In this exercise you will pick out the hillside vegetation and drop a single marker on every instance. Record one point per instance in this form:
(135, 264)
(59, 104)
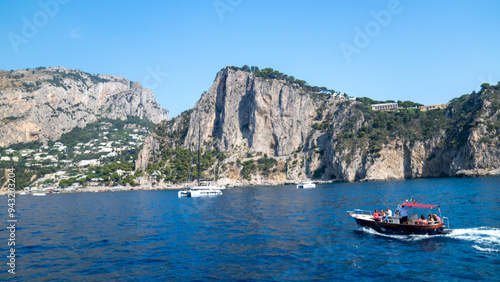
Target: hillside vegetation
(344, 139)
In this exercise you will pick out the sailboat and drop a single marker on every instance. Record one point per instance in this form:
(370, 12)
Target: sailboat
(203, 189)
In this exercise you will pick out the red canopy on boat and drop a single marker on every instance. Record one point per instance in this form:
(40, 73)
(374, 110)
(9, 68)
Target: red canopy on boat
(415, 205)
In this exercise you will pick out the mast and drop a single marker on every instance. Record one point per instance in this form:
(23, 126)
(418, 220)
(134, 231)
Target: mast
(304, 161)
(199, 142)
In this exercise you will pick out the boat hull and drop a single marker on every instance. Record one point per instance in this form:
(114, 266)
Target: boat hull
(306, 186)
(199, 193)
(205, 193)
(401, 229)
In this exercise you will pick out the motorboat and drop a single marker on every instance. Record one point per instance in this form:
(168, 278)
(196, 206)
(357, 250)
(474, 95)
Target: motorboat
(39, 194)
(202, 190)
(407, 224)
(306, 185)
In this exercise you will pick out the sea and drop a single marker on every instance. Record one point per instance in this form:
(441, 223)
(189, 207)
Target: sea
(277, 233)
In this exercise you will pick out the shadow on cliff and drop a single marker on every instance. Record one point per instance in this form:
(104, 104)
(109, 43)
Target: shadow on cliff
(246, 112)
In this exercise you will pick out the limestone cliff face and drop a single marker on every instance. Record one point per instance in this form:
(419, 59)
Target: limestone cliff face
(45, 103)
(241, 112)
(328, 137)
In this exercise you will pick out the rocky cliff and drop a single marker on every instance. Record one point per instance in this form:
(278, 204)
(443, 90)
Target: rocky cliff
(43, 104)
(268, 127)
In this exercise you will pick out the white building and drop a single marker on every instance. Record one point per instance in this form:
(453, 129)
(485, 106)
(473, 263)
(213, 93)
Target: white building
(93, 162)
(385, 107)
(106, 149)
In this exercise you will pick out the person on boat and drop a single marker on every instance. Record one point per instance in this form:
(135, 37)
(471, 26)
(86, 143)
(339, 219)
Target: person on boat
(421, 221)
(376, 216)
(431, 219)
(404, 215)
(382, 215)
(436, 218)
(388, 212)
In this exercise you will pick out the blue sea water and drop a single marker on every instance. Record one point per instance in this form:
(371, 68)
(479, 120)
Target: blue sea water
(258, 233)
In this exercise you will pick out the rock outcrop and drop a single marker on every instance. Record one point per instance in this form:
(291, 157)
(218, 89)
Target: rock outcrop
(315, 134)
(243, 113)
(43, 104)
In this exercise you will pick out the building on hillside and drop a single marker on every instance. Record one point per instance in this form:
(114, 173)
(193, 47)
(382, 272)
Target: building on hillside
(121, 172)
(385, 107)
(92, 162)
(433, 107)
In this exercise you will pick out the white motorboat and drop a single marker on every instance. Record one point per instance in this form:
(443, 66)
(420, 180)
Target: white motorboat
(306, 185)
(203, 190)
(39, 194)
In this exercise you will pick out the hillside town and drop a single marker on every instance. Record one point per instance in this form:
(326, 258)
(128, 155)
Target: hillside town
(103, 162)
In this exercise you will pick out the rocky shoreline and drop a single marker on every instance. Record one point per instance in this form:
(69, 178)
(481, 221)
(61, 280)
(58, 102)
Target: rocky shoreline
(244, 183)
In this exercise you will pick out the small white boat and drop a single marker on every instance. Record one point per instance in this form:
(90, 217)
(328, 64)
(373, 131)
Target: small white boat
(203, 190)
(306, 185)
(23, 193)
(39, 194)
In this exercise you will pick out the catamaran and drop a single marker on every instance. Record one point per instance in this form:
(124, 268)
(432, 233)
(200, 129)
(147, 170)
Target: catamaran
(203, 189)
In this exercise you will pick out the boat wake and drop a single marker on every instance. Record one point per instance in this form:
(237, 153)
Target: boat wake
(484, 239)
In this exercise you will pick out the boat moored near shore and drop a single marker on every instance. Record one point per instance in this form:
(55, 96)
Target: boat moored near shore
(306, 185)
(202, 190)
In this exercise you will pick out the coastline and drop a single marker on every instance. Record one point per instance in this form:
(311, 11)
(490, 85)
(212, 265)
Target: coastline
(228, 183)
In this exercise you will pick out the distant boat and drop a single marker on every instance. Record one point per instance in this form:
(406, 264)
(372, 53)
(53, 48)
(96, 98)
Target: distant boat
(205, 189)
(306, 185)
(397, 224)
(116, 188)
(39, 194)
(23, 193)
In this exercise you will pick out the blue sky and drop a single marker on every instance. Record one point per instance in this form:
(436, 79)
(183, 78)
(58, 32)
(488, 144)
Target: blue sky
(425, 51)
